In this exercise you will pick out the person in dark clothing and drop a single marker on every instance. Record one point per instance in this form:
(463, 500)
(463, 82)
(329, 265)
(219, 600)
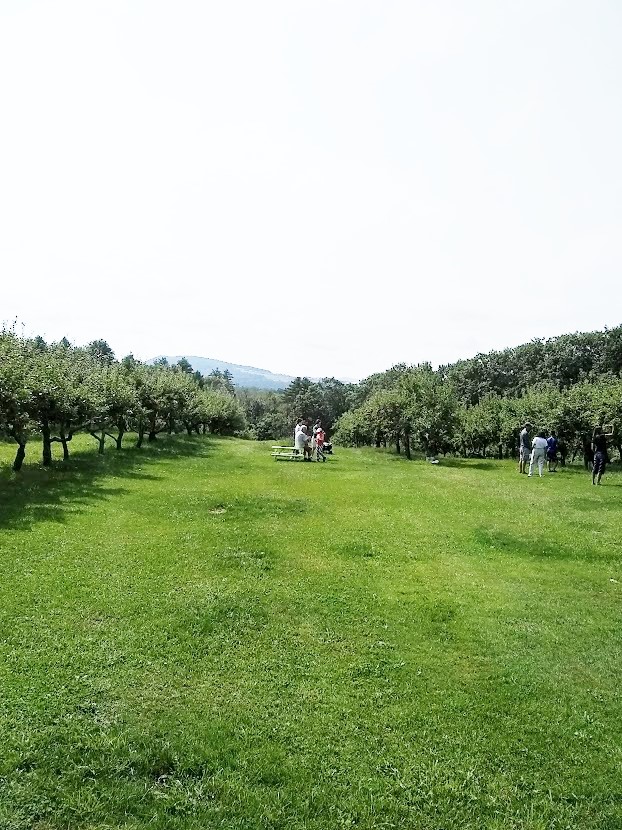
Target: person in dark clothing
(599, 445)
(551, 452)
(588, 453)
(524, 448)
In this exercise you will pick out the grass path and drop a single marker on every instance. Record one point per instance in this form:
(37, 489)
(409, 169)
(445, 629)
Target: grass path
(198, 637)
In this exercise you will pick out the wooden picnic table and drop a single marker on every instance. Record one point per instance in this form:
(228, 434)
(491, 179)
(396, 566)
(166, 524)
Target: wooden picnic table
(288, 453)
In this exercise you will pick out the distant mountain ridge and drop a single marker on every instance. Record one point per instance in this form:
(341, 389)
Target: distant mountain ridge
(248, 376)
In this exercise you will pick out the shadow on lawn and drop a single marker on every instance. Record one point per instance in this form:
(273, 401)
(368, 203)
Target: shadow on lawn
(469, 463)
(50, 493)
(537, 547)
(494, 464)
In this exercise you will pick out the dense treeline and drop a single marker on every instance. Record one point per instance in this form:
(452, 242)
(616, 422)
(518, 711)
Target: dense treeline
(404, 406)
(417, 406)
(473, 407)
(559, 361)
(568, 384)
(273, 414)
(49, 392)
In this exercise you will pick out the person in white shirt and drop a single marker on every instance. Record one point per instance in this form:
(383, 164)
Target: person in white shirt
(297, 428)
(303, 443)
(538, 453)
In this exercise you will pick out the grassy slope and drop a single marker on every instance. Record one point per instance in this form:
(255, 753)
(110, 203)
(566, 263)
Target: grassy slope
(199, 637)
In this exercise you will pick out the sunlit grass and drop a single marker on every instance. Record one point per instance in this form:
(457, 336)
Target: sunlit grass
(197, 636)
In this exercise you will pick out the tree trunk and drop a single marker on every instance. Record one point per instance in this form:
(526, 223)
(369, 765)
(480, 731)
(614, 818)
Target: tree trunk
(407, 445)
(120, 433)
(101, 440)
(19, 458)
(500, 452)
(188, 426)
(397, 445)
(121, 428)
(140, 431)
(64, 440)
(21, 451)
(153, 435)
(47, 442)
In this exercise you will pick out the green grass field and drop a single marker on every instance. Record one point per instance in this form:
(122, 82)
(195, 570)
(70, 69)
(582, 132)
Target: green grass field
(196, 636)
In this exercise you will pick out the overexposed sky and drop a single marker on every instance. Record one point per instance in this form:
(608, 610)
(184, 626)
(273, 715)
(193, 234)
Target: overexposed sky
(320, 188)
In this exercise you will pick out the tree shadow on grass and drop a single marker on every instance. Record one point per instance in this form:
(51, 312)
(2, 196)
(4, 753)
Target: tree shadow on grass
(496, 541)
(597, 506)
(53, 493)
(489, 464)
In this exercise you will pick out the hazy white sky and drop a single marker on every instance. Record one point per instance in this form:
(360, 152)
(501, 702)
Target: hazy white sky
(321, 188)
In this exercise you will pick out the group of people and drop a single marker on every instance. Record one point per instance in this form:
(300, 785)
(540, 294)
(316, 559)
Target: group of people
(541, 449)
(536, 451)
(310, 442)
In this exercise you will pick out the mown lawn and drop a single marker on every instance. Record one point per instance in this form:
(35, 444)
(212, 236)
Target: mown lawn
(195, 636)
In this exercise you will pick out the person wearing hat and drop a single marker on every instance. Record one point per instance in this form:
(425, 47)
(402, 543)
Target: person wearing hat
(524, 448)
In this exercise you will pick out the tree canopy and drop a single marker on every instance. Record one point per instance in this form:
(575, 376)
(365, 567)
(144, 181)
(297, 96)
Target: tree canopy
(49, 392)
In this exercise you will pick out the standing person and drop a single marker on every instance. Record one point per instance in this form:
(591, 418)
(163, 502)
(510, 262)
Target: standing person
(297, 428)
(599, 445)
(538, 453)
(316, 426)
(319, 445)
(524, 448)
(551, 452)
(588, 452)
(302, 443)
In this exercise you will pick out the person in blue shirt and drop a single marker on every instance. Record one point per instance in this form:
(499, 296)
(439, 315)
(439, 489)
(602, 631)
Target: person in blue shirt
(551, 452)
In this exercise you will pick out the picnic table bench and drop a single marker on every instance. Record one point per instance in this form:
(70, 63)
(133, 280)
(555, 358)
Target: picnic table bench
(290, 453)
